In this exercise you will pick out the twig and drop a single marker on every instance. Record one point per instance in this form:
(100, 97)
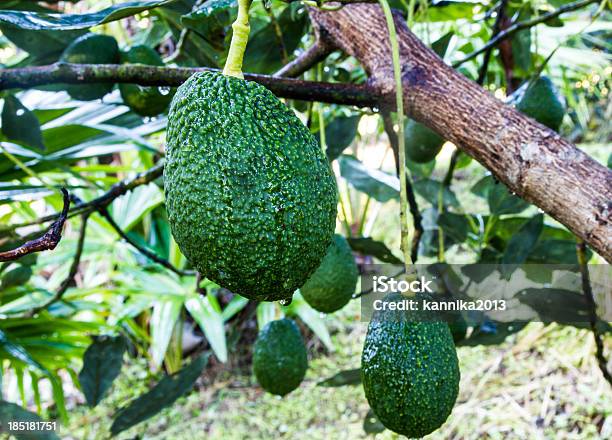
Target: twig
(104, 200)
(522, 25)
(501, 12)
(65, 73)
(147, 253)
(74, 267)
(588, 295)
(316, 53)
(47, 242)
(412, 203)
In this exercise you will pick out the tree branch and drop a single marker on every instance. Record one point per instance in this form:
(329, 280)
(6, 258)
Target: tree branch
(501, 12)
(307, 59)
(533, 161)
(47, 242)
(60, 73)
(147, 253)
(74, 267)
(104, 200)
(593, 319)
(522, 25)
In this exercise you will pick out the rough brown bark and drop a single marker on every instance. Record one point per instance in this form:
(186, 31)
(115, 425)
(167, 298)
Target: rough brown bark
(534, 162)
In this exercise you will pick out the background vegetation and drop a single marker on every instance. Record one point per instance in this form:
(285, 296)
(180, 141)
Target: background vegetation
(117, 282)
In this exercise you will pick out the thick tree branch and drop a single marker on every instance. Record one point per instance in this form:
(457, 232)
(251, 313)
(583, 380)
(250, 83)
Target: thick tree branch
(58, 73)
(47, 242)
(593, 319)
(522, 25)
(532, 161)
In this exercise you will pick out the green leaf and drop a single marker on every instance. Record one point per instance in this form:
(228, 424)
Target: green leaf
(206, 312)
(369, 246)
(44, 45)
(430, 190)
(371, 424)
(377, 184)
(130, 209)
(522, 243)
(500, 200)
(53, 21)
(311, 318)
(20, 353)
(441, 44)
(339, 134)
(346, 377)
(236, 304)
(163, 319)
(9, 412)
(16, 277)
(162, 395)
(456, 226)
(21, 125)
(102, 363)
(267, 312)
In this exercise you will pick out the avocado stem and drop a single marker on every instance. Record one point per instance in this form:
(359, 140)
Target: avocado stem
(240, 37)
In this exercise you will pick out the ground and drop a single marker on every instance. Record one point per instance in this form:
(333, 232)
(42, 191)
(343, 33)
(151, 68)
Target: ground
(543, 383)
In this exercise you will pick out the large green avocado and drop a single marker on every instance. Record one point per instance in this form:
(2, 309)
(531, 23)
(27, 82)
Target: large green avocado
(279, 357)
(145, 101)
(422, 143)
(542, 102)
(410, 372)
(333, 283)
(91, 49)
(250, 195)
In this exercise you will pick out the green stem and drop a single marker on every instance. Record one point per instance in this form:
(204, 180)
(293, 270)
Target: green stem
(240, 37)
(405, 233)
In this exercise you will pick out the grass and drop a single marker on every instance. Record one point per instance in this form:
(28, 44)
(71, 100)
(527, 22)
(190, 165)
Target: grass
(541, 383)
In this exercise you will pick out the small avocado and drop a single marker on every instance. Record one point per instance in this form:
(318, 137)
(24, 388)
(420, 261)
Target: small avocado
(542, 102)
(145, 101)
(422, 143)
(410, 372)
(251, 197)
(280, 360)
(332, 285)
(91, 49)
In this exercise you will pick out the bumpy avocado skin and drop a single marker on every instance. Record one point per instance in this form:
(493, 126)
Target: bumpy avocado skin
(250, 195)
(541, 102)
(145, 101)
(280, 360)
(422, 143)
(410, 373)
(332, 285)
(91, 49)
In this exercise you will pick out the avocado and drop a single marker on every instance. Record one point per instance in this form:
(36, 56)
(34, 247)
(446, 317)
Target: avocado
(251, 197)
(410, 372)
(542, 102)
(145, 101)
(333, 283)
(279, 357)
(422, 143)
(91, 49)
(16, 277)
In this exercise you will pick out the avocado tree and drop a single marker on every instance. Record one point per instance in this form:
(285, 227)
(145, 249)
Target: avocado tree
(225, 198)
